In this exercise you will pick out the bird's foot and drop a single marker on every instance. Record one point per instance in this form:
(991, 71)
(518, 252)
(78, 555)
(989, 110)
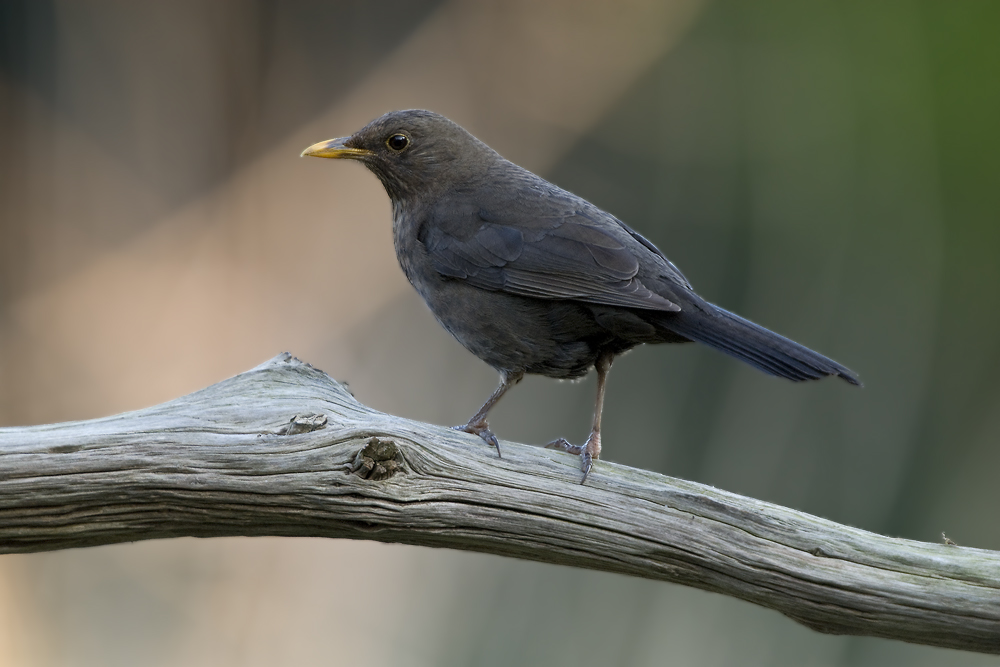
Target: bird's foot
(587, 452)
(481, 429)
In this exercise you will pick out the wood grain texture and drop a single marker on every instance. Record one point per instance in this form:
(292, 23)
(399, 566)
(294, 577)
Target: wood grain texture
(285, 450)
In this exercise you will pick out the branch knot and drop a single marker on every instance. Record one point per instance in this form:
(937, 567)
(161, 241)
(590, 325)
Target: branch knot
(380, 459)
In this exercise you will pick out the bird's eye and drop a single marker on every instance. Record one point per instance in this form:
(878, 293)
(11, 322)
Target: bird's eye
(397, 142)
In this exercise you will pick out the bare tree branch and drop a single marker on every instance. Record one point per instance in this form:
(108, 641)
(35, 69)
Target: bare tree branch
(285, 450)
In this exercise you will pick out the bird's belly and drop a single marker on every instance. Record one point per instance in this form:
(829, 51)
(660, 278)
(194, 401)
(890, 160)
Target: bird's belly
(511, 333)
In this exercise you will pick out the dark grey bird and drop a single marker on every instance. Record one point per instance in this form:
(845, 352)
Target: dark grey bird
(533, 279)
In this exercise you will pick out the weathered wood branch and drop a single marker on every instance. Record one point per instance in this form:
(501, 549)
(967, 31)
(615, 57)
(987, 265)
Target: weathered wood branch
(285, 450)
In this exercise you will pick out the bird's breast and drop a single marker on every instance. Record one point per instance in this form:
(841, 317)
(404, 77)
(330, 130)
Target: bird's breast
(410, 252)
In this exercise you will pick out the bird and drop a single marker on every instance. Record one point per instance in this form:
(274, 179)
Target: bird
(533, 279)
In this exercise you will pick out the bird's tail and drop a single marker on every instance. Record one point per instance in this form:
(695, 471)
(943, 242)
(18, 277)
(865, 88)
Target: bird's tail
(763, 349)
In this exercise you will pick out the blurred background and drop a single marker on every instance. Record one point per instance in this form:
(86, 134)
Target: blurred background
(828, 169)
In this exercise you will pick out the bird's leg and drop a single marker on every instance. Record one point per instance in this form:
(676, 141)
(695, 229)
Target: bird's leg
(591, 449)
(477, 425)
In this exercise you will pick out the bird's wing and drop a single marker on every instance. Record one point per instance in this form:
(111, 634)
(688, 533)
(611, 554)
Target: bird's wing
(579, 254)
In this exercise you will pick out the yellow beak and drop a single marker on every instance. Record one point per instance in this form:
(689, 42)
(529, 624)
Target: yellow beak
(335, 148)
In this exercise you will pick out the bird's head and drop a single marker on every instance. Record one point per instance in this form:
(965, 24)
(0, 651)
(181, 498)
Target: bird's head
(413, 152)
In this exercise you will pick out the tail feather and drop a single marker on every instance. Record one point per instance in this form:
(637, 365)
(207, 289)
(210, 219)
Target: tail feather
(753, 344)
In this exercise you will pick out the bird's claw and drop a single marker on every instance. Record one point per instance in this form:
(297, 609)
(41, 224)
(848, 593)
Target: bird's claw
(586, 463)
(583, 451)
(483, 431)
(564, 445)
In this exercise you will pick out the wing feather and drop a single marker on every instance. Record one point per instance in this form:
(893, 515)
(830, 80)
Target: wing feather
(569, 255)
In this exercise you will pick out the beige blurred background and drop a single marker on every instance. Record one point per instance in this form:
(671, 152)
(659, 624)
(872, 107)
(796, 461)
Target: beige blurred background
(828, 169)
